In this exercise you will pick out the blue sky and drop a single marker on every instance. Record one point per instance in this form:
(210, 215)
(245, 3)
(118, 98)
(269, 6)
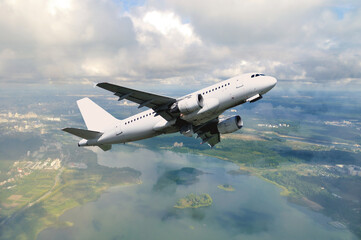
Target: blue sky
(128, 5)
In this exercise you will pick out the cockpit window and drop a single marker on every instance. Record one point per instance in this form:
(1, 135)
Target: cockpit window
(257, 75)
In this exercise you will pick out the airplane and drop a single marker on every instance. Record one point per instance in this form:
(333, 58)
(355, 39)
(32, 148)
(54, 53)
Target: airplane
(196, 113)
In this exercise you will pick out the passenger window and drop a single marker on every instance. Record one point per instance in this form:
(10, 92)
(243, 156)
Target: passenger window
(252, 76)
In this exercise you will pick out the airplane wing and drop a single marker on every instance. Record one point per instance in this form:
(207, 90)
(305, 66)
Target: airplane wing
(160, 104)
(208, 132)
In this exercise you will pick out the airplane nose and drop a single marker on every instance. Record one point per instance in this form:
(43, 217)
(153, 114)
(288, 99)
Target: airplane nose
(268, 83)
(272, 82)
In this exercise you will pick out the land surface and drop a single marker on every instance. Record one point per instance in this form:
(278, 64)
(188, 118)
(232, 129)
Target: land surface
(316, 161)
(38, 199)
(226, 187)
(194, 201)
(324, 178)
(42, 175)
(307, 146)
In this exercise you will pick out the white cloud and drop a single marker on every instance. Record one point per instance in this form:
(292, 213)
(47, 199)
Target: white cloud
(179, 42)
(56, 6)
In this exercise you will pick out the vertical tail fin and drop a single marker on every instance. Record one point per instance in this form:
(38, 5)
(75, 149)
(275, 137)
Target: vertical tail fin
(95, 117)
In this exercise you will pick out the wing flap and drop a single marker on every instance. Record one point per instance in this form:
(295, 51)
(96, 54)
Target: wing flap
(211, 138)
(105, 147)
(208, 132)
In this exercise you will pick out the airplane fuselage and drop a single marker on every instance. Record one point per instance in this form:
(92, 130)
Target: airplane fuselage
(215, 99)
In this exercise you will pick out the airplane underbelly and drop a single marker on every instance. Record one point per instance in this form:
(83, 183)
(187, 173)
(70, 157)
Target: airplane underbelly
(206, 118)
(138, 133)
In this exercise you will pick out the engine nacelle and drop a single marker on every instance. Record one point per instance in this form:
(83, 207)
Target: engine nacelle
(188, 105)
(230, 125)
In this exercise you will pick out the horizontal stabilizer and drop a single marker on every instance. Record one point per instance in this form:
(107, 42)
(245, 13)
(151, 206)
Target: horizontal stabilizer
(105, 147)
(87, 134)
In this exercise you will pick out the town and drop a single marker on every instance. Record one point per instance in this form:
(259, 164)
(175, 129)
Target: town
(21, 169)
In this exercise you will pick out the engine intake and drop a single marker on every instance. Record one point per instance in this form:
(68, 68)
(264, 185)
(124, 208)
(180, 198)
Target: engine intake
(230, 125)
(188, 105)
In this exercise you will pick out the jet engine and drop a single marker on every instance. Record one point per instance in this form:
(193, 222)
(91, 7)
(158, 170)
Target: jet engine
(230, 125)
(188, 105)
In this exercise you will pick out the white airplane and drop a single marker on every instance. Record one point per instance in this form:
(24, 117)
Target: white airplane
(196, 113)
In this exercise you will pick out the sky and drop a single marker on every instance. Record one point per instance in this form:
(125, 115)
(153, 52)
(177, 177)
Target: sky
(181, 43)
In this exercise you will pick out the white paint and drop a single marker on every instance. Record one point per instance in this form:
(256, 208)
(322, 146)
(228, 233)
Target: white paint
(217, 98)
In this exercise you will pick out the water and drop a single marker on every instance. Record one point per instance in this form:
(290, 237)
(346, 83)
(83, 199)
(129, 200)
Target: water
(254, 211)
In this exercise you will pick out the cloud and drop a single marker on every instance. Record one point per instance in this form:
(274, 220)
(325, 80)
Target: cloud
(246, 22)
(305, 40)
(179, 42)
(63, 40)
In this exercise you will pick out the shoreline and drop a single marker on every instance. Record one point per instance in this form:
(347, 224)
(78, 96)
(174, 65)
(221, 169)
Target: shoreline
(70, 224)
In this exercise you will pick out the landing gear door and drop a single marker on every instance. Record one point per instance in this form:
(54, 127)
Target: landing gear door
(118, 129)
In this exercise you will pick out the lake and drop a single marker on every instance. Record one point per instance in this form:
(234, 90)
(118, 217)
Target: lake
(255, 210)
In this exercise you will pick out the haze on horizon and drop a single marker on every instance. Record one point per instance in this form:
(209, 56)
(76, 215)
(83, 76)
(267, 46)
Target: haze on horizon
(182, 43)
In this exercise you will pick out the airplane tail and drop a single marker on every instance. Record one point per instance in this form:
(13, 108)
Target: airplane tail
(95, 117)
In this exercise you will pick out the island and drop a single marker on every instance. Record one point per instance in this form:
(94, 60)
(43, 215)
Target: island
(226, 187)
(194, 201)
